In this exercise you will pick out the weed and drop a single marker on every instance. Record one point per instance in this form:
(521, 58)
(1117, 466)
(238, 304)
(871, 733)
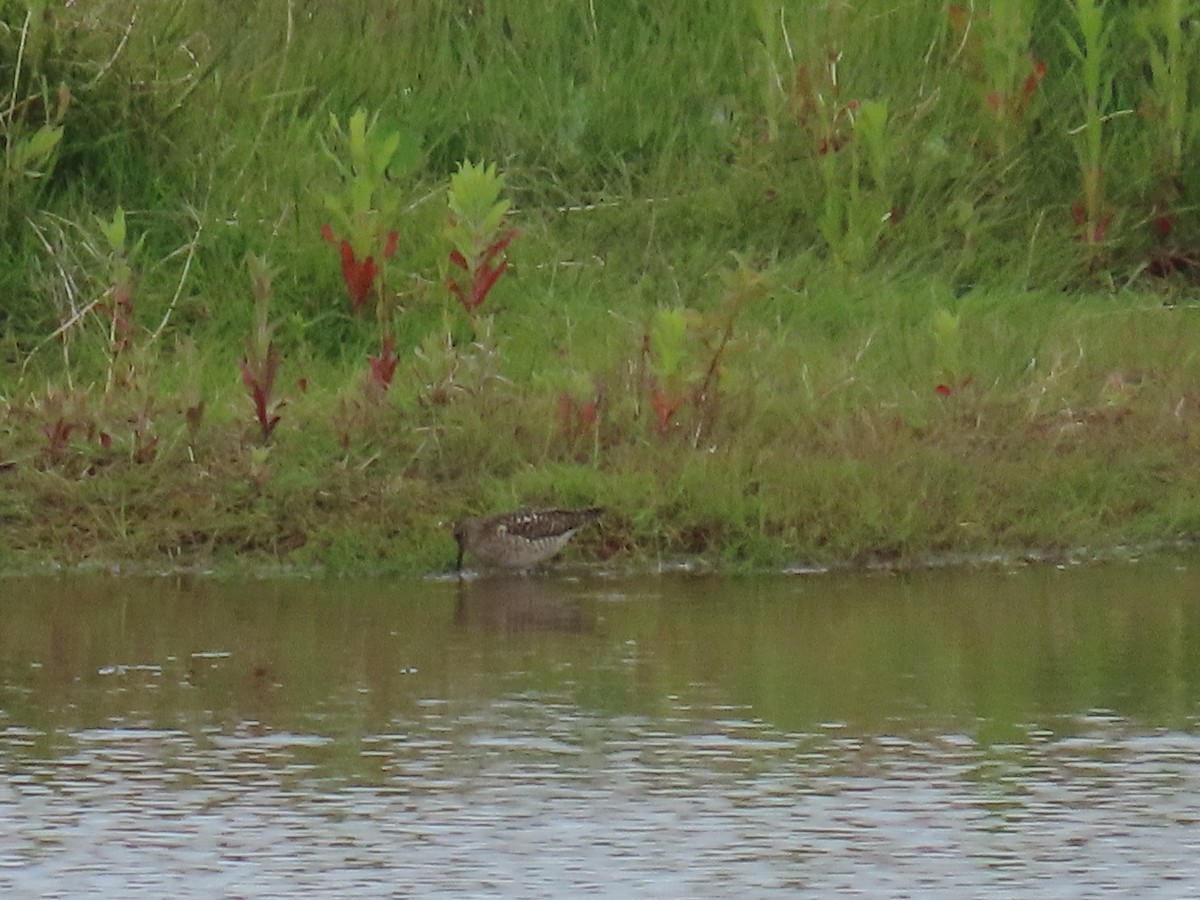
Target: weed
(579, 422)
(992, 50)
(476, 233)
(1092, 52)
(947, 353)
(118, 301)
(1172, 48)
(96, 281)
(445, 371)
(382, 367)
(30, 146)
(260, 364)
(366, 153)
(686, 351)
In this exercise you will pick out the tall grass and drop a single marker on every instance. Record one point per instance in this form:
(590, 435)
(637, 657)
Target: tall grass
(931, 194)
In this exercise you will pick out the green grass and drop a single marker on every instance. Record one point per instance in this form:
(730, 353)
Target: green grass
(648, 156)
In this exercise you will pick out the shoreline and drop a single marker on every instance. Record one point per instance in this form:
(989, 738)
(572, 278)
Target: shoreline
(574, 570)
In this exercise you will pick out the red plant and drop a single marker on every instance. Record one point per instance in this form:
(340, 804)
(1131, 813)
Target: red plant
(1013, 106)
(258, 375)
(359, 274)
(577, 419)
(57, 433)
(666, 405)
(383, 366)
(1034, 80)
(121, 312)
(945, 390)
(483, 273)
(1093, 234)
(828, 120)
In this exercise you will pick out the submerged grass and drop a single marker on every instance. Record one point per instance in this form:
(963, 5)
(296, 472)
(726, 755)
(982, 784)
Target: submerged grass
(822, 282)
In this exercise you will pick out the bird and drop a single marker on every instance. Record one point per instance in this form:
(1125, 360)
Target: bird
(521, 539)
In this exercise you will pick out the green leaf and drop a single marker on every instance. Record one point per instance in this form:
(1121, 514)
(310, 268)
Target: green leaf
(36, 149)
(114, 231)
(1072, 44)
(668, 337)
(358, 135)
(474, 197)
(382, 152)
(945, 326)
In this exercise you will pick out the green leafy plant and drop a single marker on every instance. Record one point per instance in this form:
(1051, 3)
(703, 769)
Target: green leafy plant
(31, 120)
(260, 363)
(366, 153)
(666, 343)
(96, 280)
(579, 416)
(991, 49)
(858, 204)
(369, 154)
(445, 370)
(845, 143)
(1092, 51)
(118, 301)
(947, 345)
(686, 351)
(1173, 48)
(476, 232)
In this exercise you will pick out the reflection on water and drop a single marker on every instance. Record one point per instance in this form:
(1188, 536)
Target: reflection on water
(514, 603)
(948, 734)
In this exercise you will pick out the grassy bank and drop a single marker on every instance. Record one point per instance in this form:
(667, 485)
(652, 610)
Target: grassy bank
(811, 284)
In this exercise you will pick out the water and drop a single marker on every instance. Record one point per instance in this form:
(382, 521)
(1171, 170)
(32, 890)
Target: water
(994, 734)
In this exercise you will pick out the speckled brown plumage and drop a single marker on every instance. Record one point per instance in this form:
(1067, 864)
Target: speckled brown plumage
(521, 539)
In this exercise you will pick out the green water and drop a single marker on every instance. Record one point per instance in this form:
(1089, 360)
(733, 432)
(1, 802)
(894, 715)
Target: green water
(999, 732)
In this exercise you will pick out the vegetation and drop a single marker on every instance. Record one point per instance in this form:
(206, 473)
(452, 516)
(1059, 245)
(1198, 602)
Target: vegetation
(797, 282)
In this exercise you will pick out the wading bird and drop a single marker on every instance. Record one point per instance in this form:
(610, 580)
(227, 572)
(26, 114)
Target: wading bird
(521, 539)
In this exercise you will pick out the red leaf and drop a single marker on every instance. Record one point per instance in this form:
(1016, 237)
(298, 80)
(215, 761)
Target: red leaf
(383, 366)
(258, 375)
(483, 273)
(566, 412)
(502, 243)
(576, 419)
(456, 289)
(359, 276)
(665, 407)
(1093, 233)
(484, 280)
(327, 233)
(393, 239)
(1035, 78)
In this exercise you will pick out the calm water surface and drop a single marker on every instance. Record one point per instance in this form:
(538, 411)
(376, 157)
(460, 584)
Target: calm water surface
(995, 734)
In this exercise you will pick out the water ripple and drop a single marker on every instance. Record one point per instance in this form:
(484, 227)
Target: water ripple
(530, 797)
